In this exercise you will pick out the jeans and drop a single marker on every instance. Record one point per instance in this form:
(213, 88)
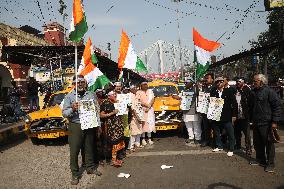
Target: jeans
(263, 144)
(206, 129)
(218, 126)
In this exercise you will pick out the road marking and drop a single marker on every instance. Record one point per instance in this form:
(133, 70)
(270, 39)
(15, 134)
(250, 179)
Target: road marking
(185, 152)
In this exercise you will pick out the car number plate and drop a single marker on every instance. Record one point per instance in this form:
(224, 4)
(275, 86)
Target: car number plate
(166, 127)
(48, 135)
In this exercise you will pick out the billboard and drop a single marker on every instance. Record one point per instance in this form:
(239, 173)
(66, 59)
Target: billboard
(273, 4)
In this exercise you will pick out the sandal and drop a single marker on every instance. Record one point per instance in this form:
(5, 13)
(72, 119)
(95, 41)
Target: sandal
(116, 163)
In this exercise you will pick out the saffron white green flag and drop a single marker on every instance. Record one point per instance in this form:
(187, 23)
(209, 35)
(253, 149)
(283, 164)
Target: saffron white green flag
(202, 52)
(94, 77)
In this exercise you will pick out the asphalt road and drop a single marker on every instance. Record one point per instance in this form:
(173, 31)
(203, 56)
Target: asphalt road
(24, 165)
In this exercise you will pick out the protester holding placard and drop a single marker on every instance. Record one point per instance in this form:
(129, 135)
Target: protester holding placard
(228, 115)
(192, 118)
(114, 125)
(146, 97)
(80, 138)
(206, 123)
(137, 119)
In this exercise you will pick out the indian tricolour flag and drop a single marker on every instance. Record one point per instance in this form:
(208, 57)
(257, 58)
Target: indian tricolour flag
(78, 25)
(94, 77)
(202, 52)
(128, 57)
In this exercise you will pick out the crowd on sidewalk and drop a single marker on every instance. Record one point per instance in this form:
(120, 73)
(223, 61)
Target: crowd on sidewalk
(257, 107)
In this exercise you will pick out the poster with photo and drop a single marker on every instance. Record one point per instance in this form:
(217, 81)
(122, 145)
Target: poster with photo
(203, 102)
(186, 100)
(123, 100)
(215, 108)
(89, 117)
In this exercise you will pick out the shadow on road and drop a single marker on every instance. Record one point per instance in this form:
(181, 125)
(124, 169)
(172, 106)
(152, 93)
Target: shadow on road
(221, 184)
(12, 142)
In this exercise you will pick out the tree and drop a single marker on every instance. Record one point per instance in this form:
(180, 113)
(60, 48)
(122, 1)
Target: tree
(275, 65)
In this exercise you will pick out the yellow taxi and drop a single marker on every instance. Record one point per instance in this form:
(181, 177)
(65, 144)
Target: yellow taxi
(167, 108)
(49, 122)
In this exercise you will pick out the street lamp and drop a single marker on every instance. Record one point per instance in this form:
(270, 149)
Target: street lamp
(179, 40)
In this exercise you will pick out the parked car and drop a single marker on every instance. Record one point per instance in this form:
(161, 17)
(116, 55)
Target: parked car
(49, 122)
(167, 109)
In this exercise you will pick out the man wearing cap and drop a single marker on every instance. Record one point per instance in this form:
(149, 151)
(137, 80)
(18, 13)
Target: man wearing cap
(228, 115)
(80, 139)
(243, 97)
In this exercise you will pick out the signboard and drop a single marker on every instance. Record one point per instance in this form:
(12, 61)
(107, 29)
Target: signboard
(273, 4)
(215, 108)
(186, 99)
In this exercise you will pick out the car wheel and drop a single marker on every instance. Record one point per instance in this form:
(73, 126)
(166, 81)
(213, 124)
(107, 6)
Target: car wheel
(35, 141)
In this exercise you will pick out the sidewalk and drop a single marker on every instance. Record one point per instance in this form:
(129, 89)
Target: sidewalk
(10, 131)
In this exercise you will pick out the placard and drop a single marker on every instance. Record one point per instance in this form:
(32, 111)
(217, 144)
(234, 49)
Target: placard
(89, 116)
(123, 100)
(203, 102)
(215, 108)
(186, 99)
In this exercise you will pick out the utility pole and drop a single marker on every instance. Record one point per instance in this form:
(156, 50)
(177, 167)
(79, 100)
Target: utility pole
(109, 50)
(179, 40)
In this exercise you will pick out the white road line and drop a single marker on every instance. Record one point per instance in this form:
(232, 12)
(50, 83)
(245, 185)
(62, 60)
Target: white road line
(185, 152)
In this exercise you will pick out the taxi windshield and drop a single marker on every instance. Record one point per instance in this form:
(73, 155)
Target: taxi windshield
(164, 90)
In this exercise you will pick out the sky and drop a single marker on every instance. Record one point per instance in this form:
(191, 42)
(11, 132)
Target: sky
(147, 21)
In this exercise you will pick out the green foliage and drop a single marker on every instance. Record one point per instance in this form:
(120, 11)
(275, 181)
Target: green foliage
(275, 67)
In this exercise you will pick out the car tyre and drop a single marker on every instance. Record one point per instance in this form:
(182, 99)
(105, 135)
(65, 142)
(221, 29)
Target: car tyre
(35, 141)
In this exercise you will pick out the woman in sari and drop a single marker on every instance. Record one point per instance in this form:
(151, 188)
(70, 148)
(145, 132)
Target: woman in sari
(114, 126)
(146, 97)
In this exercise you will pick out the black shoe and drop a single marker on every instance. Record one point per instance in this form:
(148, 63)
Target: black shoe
(253, 162)
(94, 171)
(189, 141)
(75, 180)
(197, 142)
(269, 169)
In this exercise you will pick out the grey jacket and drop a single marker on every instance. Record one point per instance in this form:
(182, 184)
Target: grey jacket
(71, 98)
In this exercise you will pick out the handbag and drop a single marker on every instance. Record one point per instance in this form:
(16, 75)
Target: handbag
(275, 136)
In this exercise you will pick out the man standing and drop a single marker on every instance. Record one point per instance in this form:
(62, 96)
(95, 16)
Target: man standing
(266, 113)
(243, 97)
(206, 124)
(80, 139)
(191, 118)
(33, 88)
(228, 115)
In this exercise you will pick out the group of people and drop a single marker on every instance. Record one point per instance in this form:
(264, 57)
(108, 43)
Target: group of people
(257, 107)
(117, 133)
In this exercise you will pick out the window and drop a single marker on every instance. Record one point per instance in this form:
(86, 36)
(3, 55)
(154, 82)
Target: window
(164, 90)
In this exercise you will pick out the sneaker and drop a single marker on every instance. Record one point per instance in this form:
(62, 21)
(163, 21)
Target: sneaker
(144, 143)
(94, 171)
(150, 142)
(217, 149)
(269, 169)
(230, 154)
(75, 180)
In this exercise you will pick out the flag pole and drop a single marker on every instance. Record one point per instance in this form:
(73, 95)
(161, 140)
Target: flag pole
(76, 76)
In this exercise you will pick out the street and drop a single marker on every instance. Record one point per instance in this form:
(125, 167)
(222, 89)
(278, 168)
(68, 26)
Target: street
(24, 165)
